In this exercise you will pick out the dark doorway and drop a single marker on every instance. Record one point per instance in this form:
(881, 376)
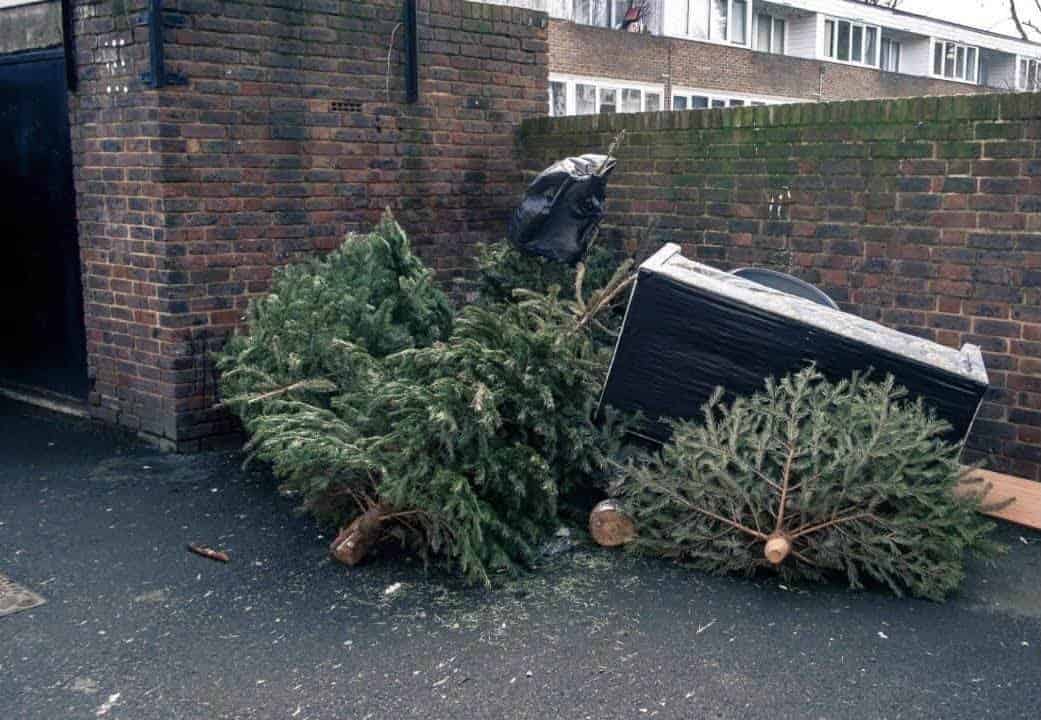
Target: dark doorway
(41, 295)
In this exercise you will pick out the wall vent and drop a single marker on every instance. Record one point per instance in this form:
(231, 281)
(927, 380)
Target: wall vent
(345, 106)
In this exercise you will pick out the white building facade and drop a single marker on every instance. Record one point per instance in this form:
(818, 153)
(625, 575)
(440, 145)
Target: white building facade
(844, 32)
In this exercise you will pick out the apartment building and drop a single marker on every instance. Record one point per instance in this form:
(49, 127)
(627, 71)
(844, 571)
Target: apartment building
(643, 55)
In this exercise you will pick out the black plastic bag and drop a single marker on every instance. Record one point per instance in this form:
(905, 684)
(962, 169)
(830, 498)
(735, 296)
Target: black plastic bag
(561, 209)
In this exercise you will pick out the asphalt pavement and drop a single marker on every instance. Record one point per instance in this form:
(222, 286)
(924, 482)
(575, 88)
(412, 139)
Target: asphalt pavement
(138, 628)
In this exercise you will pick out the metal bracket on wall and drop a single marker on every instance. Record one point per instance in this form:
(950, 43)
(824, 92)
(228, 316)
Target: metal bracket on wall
(156, 20)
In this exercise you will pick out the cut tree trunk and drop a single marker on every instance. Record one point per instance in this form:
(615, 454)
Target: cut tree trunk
(778, 547)
(610, 526)
(353, 542)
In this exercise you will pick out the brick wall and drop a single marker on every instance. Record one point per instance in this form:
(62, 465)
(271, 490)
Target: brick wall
(288, 133)
(922, 214)
(115, 131)
(600, 52)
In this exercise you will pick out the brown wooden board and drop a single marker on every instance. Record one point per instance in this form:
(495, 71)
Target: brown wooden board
(1026, 507)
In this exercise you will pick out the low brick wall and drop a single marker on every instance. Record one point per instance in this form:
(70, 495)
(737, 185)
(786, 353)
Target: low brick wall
(292, 130)
(923, 214)
(601, 52)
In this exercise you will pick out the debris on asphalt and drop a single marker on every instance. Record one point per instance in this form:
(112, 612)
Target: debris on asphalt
(561, 543)
(391, 589)
(107, 705)
(208, 552)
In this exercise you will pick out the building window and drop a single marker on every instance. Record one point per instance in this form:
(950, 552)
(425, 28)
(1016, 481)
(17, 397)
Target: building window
(1029, 76)
(696, 17)
(557, 98)
(890, 60)
(632, 100)
(585, 99)
(739, 24)
(593, 12)
(619, 8)
(720, 12)
(955, 62)
(589, 97)
(694, 100)
(770, 32)
(720, 20)
(850, 42)
(602, 13)
(560, 9)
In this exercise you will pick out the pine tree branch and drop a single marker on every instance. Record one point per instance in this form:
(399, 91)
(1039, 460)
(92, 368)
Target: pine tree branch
(731, 523)
(801, 556)
(785, 478)
(836, 521)
(310, 383)
(580, 277)
(603, 302)
(684, 501)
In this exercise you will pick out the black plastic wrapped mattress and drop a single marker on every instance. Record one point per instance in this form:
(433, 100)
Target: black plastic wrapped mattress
(690, 328)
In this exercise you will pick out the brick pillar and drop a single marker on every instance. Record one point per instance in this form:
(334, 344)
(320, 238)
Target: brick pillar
(289, 133)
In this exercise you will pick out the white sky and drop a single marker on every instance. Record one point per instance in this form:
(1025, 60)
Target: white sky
(984, 14)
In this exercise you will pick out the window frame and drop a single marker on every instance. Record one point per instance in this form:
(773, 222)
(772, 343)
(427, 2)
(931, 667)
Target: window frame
(829, 51)
(941, 45)
(566, 93)
(772, 34)
(1023, 64)
(882, 55)
(717, 99)
(697, 7)
(600, 85)
(609, 14)
(614, 21)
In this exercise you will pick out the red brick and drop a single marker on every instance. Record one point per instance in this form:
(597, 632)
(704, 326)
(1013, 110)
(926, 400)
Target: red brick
(189, 196)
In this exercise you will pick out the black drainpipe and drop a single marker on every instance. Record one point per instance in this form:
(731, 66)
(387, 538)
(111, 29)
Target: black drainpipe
(68, 45)
(411, 52)
(157, 76)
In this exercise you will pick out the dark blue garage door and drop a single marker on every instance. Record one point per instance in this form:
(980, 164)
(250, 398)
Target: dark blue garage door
(42, 342)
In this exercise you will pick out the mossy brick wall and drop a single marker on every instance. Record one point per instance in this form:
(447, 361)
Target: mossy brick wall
(923, 214)
(289, 133)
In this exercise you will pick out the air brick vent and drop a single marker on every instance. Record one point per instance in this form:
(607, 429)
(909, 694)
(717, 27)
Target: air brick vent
(351, 106)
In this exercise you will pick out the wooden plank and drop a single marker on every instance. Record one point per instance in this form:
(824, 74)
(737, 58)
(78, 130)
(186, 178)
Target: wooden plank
(1025, 510)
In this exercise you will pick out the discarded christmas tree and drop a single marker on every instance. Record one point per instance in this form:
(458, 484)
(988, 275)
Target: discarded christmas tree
(811, 478)
(372, 294)
(487, 430)
(318, 336)
(458, 444)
